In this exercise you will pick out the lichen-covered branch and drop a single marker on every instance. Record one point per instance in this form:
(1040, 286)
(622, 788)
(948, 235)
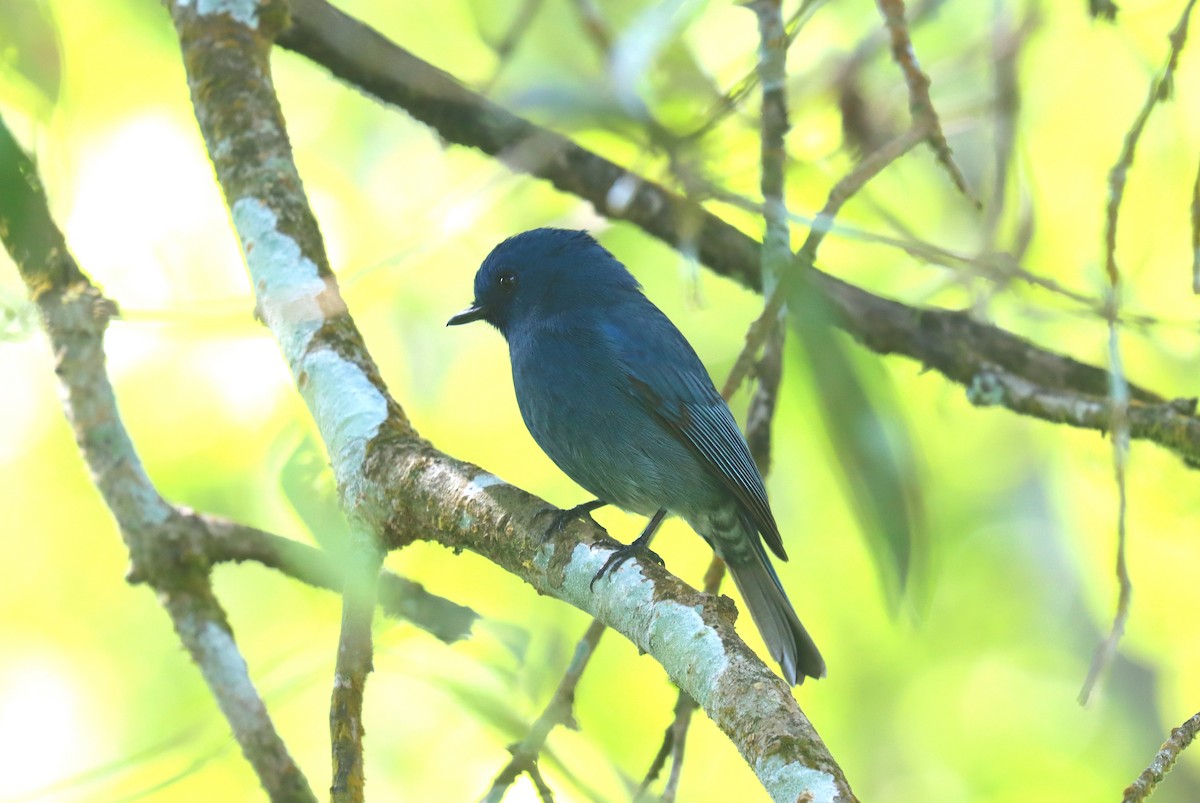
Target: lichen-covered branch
(675, 737)
(689, 633)
(1164, 759)
(965, 350)
(354, 662)
(166, 545)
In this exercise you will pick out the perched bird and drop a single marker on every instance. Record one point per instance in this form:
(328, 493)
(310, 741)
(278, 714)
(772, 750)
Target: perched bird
(618, 399)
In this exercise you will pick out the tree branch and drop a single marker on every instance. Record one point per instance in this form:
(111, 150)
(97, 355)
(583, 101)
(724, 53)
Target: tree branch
(1180, 738)
(166, 546)
(399, 597)
(675, 736)
(1044, 384)
(354, 663)
(690, 633)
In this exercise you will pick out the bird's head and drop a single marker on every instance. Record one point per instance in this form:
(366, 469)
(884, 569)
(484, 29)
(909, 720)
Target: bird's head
(543, 273)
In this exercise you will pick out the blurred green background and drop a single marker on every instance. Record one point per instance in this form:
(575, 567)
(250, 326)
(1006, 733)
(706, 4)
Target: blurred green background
(968, 693)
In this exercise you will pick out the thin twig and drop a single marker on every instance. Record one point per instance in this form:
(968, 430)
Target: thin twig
(864, 129)
(741, 90)
(1196, 233)
(1160, 90)
(777, 249)
(1119, 417)
(1007, 41)
(559, 711)
(539, 783)
(354, 663)
(867, 168)
(999, 267)
(920, 104)
(761, 413)
(1180, 738)
(776, 256)
(512, 37)
(674, 740)
(594, 25)
(165, 544)
(1119, 426)
(772, 70)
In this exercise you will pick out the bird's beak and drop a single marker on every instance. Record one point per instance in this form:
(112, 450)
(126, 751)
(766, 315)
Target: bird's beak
(472, 313)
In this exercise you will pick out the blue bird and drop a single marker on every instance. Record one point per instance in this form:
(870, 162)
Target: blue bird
(618, 399)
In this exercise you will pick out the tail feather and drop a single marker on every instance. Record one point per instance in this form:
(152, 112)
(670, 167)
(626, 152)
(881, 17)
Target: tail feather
(771, 611)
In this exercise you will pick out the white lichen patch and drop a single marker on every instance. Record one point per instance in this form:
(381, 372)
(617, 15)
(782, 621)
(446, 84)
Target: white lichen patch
(621, 193)
(287, 283)
(481, 482)
(347, 406)
(675, 634)
(244, 11)
(225, 669)
(348, 409)
(786, 781)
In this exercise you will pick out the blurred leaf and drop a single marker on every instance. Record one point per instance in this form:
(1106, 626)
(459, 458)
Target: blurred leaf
(638, 49)
(514, 638)
(308, 485)
(29, 48)
(874, 452)
(18, 317)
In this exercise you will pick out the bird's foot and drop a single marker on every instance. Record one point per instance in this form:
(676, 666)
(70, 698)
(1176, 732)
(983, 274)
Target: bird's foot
(561, 518)
(622, 554)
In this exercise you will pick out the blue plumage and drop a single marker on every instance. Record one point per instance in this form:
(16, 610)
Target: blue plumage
(618, 399)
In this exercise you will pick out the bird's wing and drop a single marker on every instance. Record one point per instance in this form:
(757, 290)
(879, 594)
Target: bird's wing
(665, 374)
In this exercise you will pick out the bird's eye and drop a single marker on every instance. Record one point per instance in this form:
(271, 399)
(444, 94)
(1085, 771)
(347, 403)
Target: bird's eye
(507, 281)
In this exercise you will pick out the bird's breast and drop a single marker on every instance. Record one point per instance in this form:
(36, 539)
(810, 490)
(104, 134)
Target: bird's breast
(577, 403)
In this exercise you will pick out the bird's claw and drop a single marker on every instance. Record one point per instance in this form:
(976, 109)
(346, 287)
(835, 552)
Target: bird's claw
(622, 554)
(561, 518)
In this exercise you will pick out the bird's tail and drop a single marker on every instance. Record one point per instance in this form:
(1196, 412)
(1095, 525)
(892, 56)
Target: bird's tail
(786, 638)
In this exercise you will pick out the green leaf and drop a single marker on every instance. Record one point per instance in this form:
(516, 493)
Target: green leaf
(30, 59)
(874, 452)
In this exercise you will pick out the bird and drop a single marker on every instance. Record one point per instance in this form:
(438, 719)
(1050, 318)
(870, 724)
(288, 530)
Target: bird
(615, 395)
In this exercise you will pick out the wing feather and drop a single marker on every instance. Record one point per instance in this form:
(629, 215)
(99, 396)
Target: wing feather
(668, 378)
